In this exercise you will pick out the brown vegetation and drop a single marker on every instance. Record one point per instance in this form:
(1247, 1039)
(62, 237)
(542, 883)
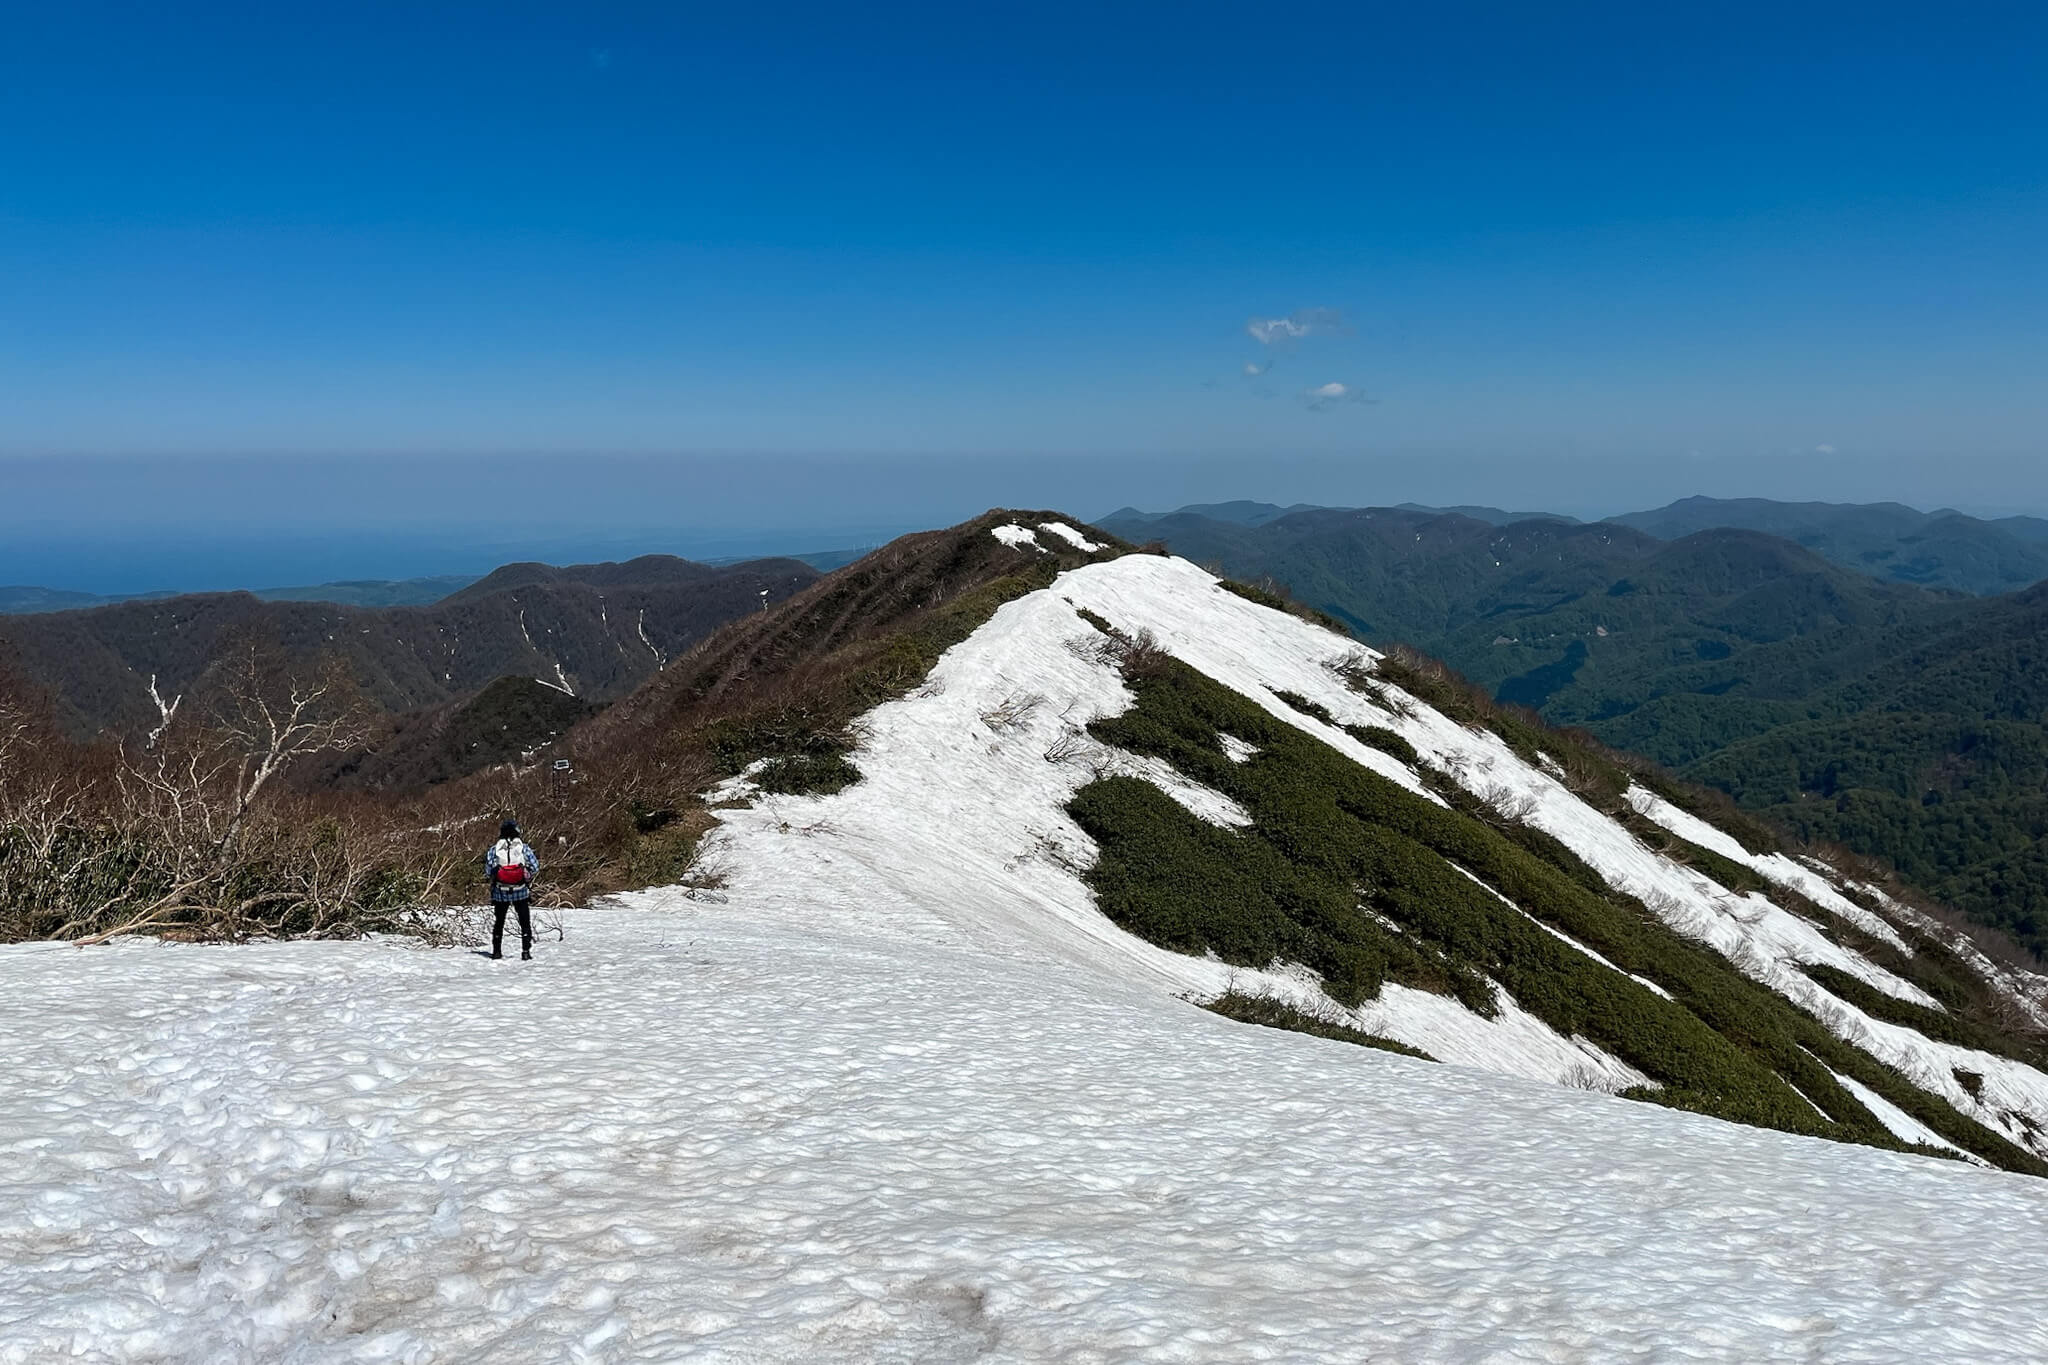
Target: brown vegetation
(197, 830)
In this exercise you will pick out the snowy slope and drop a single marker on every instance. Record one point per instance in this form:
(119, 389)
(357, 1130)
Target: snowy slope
(720, 1137)
(959, 834)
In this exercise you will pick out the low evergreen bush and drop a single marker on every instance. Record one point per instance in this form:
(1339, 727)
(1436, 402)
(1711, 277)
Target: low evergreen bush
(1270, 1011)
(1359, 879)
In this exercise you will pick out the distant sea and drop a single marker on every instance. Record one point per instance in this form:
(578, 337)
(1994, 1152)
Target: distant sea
(169, 560)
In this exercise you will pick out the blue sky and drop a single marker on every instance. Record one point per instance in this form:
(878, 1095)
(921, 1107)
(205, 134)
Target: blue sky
(915, 257)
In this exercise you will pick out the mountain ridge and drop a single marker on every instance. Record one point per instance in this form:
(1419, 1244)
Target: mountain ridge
(1120, 768)
(595, 639)
(1887, 541)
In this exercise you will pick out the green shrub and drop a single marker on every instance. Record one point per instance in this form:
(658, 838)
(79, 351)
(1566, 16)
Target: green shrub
(1302, 704)
(816, 774)
(1386, 741)
(1270, 1011)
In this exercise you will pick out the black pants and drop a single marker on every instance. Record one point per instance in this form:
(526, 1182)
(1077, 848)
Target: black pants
(525, 927)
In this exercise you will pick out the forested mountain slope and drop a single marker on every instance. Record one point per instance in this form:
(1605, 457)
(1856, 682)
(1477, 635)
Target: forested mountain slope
(1894, 542)
(1582, 621)
(593, 631)
(1937, 756)
(1886, 541)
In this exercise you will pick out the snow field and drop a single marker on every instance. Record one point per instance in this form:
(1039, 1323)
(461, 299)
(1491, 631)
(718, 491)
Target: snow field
(1070, 535)
(709, 1136)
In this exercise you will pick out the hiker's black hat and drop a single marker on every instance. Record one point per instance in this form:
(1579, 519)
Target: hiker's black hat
(509, 830)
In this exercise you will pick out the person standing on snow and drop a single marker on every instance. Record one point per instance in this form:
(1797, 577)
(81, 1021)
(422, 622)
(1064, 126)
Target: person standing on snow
(510, 868)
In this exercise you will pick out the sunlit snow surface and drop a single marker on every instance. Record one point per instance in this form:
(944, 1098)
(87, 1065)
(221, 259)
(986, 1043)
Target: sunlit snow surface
(1016, 537)
(1069, 535)
(706, 1137)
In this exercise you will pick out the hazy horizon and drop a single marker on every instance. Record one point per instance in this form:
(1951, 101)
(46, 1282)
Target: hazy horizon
(101, 526)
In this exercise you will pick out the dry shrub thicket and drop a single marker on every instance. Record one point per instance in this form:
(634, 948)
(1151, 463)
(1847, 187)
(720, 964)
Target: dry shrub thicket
(198, 829)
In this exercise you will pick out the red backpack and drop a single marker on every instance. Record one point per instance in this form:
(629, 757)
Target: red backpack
(512, 863)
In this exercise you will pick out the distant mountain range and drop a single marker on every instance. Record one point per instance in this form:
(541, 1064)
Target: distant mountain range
(1901, 720)
(585, 634)
(1935, 549)
(1244, 513)
(1940, 549)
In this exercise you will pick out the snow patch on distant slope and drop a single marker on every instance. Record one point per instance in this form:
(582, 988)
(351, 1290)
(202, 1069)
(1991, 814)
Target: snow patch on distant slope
(1016, 537)
(1069, 535)
(640, 625)
(1560, 935)
(1897, 1121)
(561, 683)
(2028, 989)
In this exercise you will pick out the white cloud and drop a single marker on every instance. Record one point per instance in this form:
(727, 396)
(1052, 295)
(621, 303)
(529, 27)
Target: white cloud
(1295, 326)
(1823, 449)
(1279, 337)
(1269, 330)
(1323, 397)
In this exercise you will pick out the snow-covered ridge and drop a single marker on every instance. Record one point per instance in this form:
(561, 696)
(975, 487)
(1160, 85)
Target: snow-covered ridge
(959, 834)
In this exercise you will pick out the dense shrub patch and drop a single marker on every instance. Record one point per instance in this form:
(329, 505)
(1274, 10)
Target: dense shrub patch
(1272, 1012)
(1314, 709)
(1386, 741)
